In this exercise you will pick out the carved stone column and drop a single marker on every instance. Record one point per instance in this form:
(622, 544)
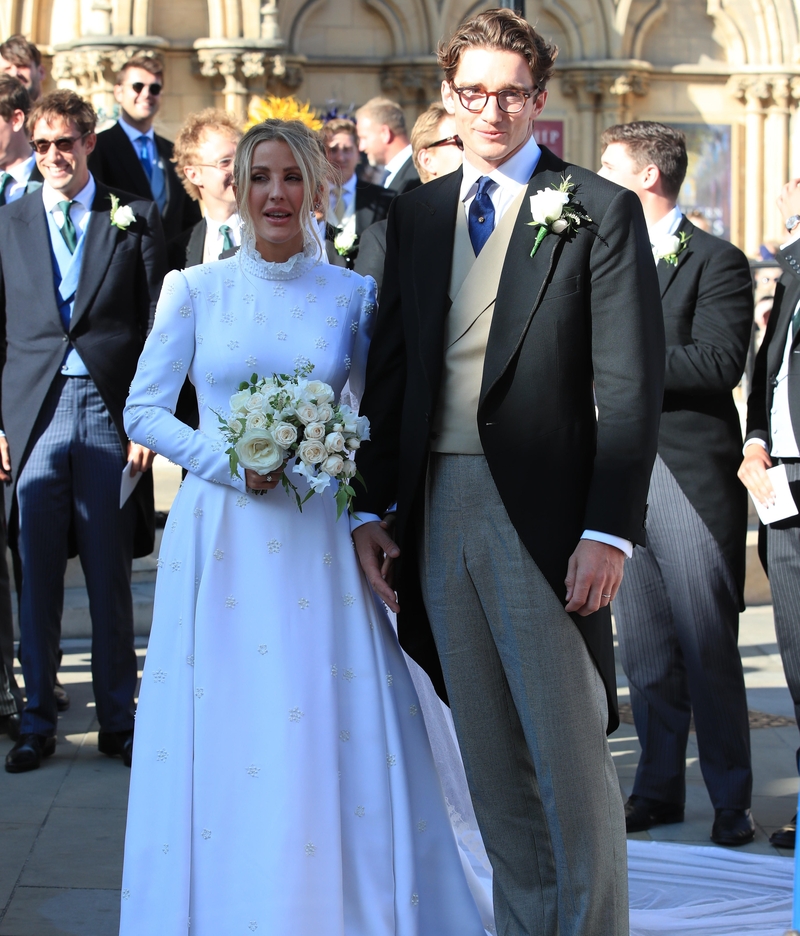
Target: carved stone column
(413, 84)
(89, 66)
(755, 92)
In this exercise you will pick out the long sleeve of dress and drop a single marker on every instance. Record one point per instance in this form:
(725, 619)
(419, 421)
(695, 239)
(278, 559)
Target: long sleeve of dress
(363, 315)
(165, 360)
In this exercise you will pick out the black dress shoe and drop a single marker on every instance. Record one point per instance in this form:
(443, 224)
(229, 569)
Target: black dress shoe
(9, 724)
(642, 813)
(785, 836)
(733, 827)
(62, 699)
(116, 744)
(28, 752)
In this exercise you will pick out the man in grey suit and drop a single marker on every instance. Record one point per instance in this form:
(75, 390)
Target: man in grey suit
(773, 439)
(80, 270)
(677, 611)
(516, 505)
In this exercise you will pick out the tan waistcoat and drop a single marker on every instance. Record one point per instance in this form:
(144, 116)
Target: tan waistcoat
(473, 290)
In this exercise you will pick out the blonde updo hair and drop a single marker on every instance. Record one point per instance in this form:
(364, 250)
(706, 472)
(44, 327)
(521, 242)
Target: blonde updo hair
(308, 150)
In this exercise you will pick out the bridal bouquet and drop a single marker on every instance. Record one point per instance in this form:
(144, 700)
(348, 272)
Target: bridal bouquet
(274, 419)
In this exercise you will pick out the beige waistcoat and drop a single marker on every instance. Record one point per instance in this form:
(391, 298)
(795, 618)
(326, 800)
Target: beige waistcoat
(473, 290)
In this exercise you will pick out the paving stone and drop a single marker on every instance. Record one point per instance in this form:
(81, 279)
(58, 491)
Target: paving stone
(51, 911)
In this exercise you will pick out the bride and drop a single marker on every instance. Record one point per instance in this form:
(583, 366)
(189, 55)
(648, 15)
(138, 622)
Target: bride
(282, 777)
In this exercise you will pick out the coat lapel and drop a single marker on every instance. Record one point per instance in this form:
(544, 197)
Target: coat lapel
(34, 239)
(196, 246)
(523, 280)
(666, 271)
(101, 239)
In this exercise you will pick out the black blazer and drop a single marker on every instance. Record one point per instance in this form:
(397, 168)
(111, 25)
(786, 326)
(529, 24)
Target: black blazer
(186, 249)
(372, 253)
(770, 354)
(114, 308)
(114, 162)
(708, 316)
(583, 313)
(406, 179)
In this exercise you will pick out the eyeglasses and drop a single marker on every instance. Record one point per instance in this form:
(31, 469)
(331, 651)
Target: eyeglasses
(454, 140)
(62, 144)
(139, 86)
(224, 165)
(509, 100)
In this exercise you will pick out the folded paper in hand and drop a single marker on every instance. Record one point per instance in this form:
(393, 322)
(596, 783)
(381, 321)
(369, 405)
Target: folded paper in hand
(128, 484)
(784, 505)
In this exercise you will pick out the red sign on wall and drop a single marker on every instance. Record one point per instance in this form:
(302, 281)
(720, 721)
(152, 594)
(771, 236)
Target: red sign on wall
(550, 133)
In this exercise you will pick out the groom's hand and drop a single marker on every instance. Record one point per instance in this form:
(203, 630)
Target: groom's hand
(376, 551)
(594, 574)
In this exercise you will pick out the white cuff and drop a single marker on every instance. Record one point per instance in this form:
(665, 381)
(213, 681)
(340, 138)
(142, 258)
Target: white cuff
(760, 442)
(624, 545)
(356, 519)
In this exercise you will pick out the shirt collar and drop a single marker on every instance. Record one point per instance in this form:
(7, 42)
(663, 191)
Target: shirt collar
(669, 224)
(513, 173)
(132, 133)
(349, 186)
(21, 172)
(213, 226)
(85, 197)
(396, 162)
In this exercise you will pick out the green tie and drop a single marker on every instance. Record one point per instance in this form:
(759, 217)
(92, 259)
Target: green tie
(68, 228)
(5, 180)
(225, 231)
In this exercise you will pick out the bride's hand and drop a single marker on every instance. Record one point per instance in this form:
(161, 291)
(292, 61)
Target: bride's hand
(256, 482)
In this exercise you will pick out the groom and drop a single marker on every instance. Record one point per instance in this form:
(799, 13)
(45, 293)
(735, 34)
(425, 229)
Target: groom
(516, 504)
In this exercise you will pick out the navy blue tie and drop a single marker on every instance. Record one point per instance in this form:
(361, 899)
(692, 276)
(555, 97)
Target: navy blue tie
(481, 215)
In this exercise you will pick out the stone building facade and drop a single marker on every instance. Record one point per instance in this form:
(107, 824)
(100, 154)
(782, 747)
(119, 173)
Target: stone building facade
(728, 71)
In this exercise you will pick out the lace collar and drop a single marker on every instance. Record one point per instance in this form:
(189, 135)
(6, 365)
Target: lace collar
(251, 260)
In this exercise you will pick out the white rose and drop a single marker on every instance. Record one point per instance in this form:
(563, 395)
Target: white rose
(124, 216)
(558, 226)
(333, 464)
(306, 412)
(255, 403)
(284, 434)
(547, 205)
(667, 245)
(256, 421)
(312, 453)
(334, 442)
(235, 424)
(349, 468)
(319, 391)
(257, 450)
(353, 443)
(314, 431)
(238, 400)
(324, 412)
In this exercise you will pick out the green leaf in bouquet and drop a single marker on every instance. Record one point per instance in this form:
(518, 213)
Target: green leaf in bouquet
(234, 462)
(360, 480)
(244, 385)
(254, 379)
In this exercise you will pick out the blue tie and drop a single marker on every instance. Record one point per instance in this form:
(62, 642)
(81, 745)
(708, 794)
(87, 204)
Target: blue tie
(144, 156)
(153, 171)
(481, 215)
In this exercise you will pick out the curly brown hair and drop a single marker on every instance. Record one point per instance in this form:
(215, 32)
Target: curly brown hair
(66, 104)
(503, 30)
(190, 137)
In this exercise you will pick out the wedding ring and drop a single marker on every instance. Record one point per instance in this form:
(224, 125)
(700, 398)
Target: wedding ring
(606, 596)
(269, 477)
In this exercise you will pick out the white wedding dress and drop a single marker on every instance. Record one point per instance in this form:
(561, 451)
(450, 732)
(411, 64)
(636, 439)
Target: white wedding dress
(282, 778)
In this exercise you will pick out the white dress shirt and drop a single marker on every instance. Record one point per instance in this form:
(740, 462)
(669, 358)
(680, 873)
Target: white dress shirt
(349, 198)
(395, 164)
(20, 173)
(133, 135)
(669, 224)
(213, 244)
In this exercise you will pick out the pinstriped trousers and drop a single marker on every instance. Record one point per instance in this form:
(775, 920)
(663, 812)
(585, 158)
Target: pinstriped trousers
(530, 713)
(677, 614)
(783, 562)
(73, 475)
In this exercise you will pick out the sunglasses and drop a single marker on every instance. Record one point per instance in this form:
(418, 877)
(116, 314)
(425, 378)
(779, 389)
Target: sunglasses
(62, 144)
(139, 86)
(447, 141)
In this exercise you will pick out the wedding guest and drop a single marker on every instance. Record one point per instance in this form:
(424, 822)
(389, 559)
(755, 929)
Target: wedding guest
(203, 156)
(436, 150)
(383, 138)
(78, 282)
(18, 172)
(773, 439)
(131, 156)
(677, 610)
(21, 59)
(514, 404)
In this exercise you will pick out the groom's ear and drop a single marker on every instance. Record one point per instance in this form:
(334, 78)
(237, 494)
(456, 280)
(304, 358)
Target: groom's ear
(447, 98)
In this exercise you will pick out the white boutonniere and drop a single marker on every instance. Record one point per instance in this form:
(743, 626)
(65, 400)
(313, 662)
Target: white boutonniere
(122, 216)
(670, 247)
(346, 239)
(554, 211)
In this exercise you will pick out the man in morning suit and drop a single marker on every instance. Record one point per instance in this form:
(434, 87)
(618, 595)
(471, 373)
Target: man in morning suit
(677, 610)
(773, 438)
(78, 289)
(132, 157)
(383, 138)
(516, 506)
